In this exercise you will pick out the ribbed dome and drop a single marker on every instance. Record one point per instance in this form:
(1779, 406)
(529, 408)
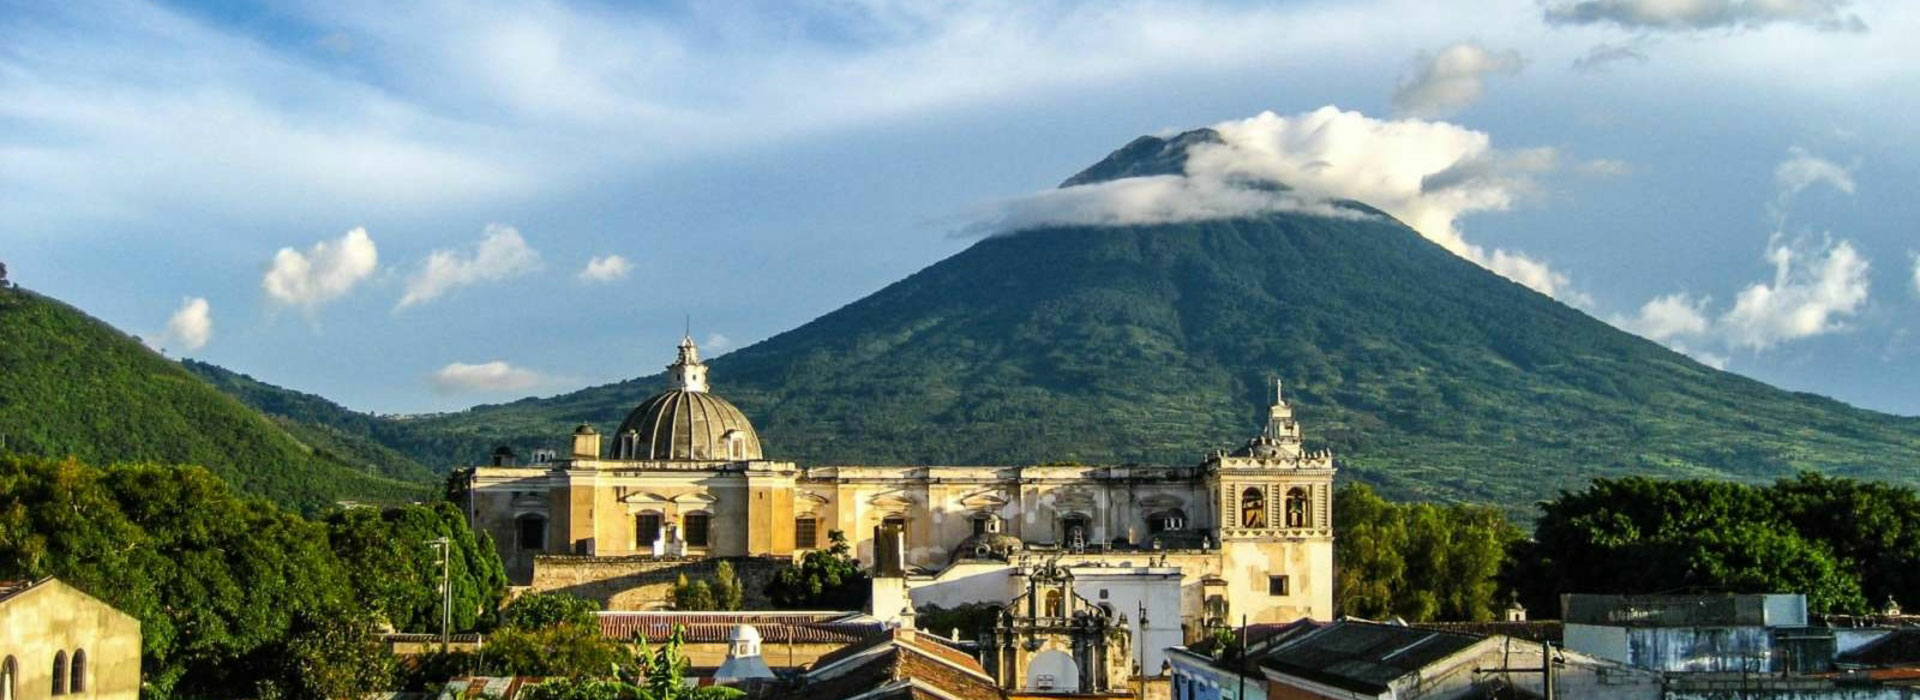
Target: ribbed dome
(686, 425)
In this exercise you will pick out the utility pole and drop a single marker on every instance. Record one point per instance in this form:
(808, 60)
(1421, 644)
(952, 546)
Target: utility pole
(1242, 693)
(446, 591)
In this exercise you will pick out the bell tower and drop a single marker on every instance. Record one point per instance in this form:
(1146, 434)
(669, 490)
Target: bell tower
(688, 372)
(1274, 498)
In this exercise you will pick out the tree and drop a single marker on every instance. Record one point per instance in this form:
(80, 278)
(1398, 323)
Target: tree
(542, 610)
(825, 579)
(724, 592)
(1706, 535)
(692, 596)
(1418, 561)
(330, 659)
(566, 649)
(397, 573)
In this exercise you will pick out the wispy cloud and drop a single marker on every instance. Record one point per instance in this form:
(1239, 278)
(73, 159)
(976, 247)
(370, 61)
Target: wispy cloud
(501, 254)
(605, 268)
(325, 272)
(1817, 285)
(1451, 79)
(495, 376)
(1698, 15)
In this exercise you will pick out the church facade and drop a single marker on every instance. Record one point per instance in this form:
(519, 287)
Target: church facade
(1248, 532)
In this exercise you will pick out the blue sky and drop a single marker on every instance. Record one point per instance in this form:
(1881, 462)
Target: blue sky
(419, 208)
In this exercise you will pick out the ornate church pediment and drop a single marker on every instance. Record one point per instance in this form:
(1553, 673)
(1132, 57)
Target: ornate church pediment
(694, 499)
(1161, 501)
(892, 500)
(646, 498)
(984, 500)
(1073, 499)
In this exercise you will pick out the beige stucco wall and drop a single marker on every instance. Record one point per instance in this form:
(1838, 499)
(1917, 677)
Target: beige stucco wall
(51, 617)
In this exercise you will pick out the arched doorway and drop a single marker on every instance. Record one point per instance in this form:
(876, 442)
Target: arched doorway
(1053, 671)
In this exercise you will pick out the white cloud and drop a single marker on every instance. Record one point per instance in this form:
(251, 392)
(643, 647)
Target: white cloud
(327, 271)
(1427, 174)
(191, 325)
(1802, 170)
(1916, 274)
(605, 269)
(495, 376)
(501, 254)
(717, 343)
(1451, 79)
(1605, 167)
(1669, 317)
(1812, 291)
(1691, 15)
(1606, 54)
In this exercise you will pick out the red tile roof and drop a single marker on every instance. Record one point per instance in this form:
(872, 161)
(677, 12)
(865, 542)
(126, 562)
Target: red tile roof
(774, 628)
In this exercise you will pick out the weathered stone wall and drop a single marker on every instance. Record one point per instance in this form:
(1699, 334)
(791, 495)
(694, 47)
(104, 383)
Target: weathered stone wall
(646, 582)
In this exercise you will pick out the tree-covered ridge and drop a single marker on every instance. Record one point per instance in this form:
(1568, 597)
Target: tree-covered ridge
(1429, 376)
(75, 386)
(1849, 545)
(351, 436)
(235, 596)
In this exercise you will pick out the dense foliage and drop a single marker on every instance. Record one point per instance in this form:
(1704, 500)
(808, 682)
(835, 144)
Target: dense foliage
(657, 675)
(963, 621)
(235, 596)
(353, 437)
(76, 387)
(1847, 544)
(400, 572)
(1418, 561)
(825, 579)
(1433, 378)
(543, 610)
(724, 592)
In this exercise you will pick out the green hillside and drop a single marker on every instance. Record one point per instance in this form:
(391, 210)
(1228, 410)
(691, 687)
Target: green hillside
(355, 438)
(71, 385)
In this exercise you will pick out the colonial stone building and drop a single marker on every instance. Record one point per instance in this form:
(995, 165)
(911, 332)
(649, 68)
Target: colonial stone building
(57, 641)
(1246, 532)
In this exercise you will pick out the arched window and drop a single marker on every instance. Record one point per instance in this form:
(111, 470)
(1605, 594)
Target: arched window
(60, 673)
(1076, 528)
(78, 684)
(1163, 521)
(9, 672)
(1056, 604)
(646, 529)
(1253, 508)
(1298, 508)
(696, 526)
(532, 531)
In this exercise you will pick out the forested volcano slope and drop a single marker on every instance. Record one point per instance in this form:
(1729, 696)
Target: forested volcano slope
(1428, 375)
(70, 385)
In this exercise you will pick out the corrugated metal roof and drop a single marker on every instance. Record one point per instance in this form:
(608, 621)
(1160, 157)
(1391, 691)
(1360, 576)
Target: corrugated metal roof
(1364, 656)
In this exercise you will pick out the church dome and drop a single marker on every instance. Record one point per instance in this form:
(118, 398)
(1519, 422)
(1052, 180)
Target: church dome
(686, 425)
(687, 422)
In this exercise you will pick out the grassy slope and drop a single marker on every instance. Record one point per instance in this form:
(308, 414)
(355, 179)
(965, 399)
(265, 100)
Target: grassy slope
(72, 385)
(1431, 376)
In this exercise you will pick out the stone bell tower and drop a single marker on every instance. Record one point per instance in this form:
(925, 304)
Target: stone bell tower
(1275, 500)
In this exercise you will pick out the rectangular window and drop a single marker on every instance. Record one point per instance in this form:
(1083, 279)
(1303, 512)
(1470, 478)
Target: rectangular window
(1103, 594)
(806, 533)
(647, 529)
(1277, 585)
(697, 529)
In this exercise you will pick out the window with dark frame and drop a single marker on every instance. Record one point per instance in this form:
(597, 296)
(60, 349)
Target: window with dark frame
(646, 528)
(1277, 585)
(79, 682)
(532, 533)
(697, 525)
(806, 533)
(60, 673)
